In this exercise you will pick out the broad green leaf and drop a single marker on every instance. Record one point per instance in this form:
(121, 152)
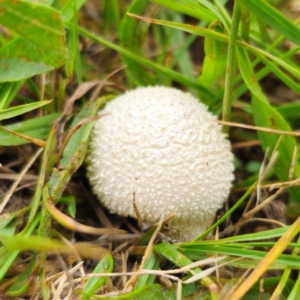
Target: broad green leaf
(274, 18)
(41, 45)
(38, 128)
(106, 264)
(21, 59)
(38, 23)
(21, 109)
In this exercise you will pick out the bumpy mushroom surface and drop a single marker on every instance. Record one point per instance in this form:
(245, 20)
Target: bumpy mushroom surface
(164, 145)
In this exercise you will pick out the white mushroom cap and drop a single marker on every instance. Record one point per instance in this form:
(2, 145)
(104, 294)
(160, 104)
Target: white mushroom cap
(164, 145)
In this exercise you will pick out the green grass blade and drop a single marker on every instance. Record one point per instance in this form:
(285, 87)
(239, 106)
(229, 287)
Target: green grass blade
(38, 129)
(196, 11)
(21, 109)
(152, 263)
(180, 44)
(8, 91)
(195, 251)
(11, 256)
(268, 234)
(274, 18)
(106, 264)
(67, 11)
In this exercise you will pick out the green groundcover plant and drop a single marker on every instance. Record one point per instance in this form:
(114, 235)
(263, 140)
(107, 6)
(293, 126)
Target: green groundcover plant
(62, 61)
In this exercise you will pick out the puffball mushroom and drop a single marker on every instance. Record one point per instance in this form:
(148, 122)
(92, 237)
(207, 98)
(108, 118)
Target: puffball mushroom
(163, 145)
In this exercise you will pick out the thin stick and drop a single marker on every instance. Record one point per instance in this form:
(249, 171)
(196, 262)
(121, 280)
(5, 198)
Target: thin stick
(265, 129)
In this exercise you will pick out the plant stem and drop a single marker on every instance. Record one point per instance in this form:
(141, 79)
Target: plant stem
(230, 67)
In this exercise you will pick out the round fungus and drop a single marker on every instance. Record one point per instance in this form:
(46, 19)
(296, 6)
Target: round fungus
(162, 145)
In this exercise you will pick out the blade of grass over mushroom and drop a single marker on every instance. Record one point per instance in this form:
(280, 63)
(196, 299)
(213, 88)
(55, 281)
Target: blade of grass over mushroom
(145, 62)
(131, 39)
(274, 18)
(106, 264)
